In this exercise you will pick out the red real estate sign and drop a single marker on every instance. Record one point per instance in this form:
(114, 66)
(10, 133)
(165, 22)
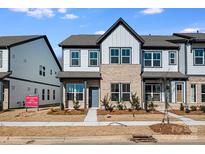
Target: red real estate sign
(32, 101)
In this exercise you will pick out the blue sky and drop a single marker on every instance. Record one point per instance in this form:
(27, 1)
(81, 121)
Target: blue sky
(58, 24)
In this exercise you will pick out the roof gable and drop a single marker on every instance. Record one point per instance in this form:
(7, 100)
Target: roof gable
(120, 21)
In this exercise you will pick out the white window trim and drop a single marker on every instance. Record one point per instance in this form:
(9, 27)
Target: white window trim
(175, 57)
(121, 56)
(97, 51)
(198, 56)
(79, 58)
(115, 56)
(152, 59)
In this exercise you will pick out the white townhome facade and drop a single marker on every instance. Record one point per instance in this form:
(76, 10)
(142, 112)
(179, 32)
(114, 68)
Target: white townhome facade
(28, 66)
(121, 62)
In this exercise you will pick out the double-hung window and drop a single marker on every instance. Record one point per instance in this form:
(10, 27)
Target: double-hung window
(120, 55)
(42, 70)
(125, 55)
(198, 56)
(75, 91)
(152, 59)
(1, 59)
(48, 94)
(93, 58)
(115, 56)
(75, 58)
(54, 94)
(120, 91)
(172, 57)
(152, 92)
(43, 94)
(203, 93)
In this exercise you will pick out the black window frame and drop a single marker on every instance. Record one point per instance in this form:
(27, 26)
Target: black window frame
(43, 94)
(48, 94)
(54, 94)
(120, 93)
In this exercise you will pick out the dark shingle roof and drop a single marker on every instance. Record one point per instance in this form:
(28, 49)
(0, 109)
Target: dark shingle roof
(79, 75)
(6, 41)
(159, 41)
(176, 75)
(81, 40)
(192, 36)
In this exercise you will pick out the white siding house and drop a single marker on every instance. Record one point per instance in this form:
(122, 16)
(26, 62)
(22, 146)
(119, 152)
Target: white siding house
(32, 67)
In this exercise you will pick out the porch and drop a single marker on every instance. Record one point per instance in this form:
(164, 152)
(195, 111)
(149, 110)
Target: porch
(81, 86)
(160, 87)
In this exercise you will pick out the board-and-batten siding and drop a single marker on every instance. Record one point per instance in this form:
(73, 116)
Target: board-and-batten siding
(182, 58)
(120, 37)
(5, 63)
(165, 67)
(84, 66)
(191, 69)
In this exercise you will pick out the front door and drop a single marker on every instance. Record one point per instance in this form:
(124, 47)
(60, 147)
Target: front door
(179, 93)
(93, 96)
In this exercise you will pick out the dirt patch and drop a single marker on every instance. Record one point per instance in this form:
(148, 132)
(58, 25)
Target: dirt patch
(119, 112)
(54, 111)
(41, 115)
(179, 112)
(75, 131)
(172, 129)
(137, 117)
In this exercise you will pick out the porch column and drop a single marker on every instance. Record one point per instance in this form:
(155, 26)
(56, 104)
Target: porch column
(142, 94)
(85, 95)
(65, 96)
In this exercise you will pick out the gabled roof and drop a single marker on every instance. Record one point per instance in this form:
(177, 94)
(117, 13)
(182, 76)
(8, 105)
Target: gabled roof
(80, 41)
(10, 41)
(192, 36)
(7, 41)
(120, 21)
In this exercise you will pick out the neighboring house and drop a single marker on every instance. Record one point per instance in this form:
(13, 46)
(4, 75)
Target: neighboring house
(121, 62)
(28, 66)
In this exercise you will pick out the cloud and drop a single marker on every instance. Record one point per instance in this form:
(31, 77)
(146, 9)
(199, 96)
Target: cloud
(100, 32)
(37, 13)
(70, 16)
(151, 11)
(190, 30)
(62, 10)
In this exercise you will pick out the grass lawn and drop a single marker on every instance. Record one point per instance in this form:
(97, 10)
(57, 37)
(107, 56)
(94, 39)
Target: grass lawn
(75, 131)
(41, 115)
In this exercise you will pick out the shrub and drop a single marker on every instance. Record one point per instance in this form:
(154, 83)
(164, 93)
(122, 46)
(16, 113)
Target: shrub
(193, 108)
(187, 110)
(151, 106)
(76, 104)
(121, 105)
(106, 103)
(202, 108)
(181, 107)
(134, 101)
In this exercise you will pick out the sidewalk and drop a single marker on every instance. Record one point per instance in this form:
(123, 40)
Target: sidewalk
(91, 115)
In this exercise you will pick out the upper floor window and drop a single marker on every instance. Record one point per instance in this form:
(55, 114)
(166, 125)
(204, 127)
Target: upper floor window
(114, 56)
(75, 58)
(42, 70)
(199, 57)
(93, 58)
(1, 57)
(120, 55)
(172, 58)
(152, 59)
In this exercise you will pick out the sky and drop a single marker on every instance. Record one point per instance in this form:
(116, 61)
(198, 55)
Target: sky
(58, 24)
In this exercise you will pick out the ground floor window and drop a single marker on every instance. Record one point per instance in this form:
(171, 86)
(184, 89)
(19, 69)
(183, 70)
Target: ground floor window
(153, 92)
(203, 92)
(193, 93)
(54, 94)
(43, 94)
(75, 91)
(48, 94)
(120, 91)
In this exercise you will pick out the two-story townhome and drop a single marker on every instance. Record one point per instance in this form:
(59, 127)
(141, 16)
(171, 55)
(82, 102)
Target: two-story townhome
(28, 66)
(121, 62)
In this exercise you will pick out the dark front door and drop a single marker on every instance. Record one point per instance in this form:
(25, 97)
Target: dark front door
(93, 96)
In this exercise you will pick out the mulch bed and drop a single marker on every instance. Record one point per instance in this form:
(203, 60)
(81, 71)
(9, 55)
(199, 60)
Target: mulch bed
(179, 112)
(67, 112)
(119, 112)
(171, 129)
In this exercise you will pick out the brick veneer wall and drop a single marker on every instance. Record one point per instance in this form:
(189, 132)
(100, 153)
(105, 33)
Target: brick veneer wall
(115, 73)
(198, 81)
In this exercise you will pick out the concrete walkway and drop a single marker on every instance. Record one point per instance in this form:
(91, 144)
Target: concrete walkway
(91, 115)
